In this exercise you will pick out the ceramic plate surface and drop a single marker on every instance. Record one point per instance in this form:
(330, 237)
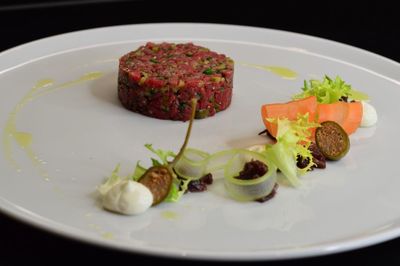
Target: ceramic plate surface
(63, 131)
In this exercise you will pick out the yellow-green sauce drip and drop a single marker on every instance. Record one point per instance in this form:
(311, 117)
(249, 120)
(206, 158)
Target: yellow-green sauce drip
(283, 72)
(24, 139)
(108, 235)
(169, 215)
(101, 232)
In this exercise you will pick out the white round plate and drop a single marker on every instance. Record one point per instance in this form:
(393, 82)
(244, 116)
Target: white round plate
(73, 132)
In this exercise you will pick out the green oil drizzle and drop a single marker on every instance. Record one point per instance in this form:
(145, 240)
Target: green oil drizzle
(24, 139)
(108, 235)
(84, 78)
(169, 215)
(282, 72)
(104, 234)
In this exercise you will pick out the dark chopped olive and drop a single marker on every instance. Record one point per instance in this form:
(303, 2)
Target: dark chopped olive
(318, 158)
(252, 170)
(208, 179)
(208, 71)
(153, 60)
(345, 99)
(332, 140)
(263, 132)
(266, 132)
(200, 185)
(196, 186)
(270, 195)
(189, 54)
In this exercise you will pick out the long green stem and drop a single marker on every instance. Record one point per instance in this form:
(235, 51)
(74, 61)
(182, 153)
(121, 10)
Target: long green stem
(188, 131)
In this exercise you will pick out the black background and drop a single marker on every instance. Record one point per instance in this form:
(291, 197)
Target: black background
(371, 26)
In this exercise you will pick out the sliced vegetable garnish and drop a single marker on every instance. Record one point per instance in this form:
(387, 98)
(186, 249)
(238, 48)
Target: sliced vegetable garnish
(292, 140)
(332, 140)
(347, 115)
(218, 160)
(289, 110)
(330, 90)
(193, 164)
(248, 189)
(158, 179)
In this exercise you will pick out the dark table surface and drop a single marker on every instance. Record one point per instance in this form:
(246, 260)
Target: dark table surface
(372, 27)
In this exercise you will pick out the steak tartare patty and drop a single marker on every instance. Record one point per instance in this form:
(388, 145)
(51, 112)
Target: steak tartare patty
(159, 80)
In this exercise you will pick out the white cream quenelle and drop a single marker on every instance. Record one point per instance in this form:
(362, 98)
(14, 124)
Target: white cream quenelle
(370, 117)
(127, 197)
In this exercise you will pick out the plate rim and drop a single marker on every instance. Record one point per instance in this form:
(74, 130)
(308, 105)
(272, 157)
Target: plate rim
(116, 28)
(26, 217)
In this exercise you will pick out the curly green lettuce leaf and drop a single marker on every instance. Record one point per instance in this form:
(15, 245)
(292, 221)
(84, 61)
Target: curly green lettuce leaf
(138, 172)
(292, 140)
(330, 90)
(113, 179)
(162, 155)
(179, 185)
(178, 189)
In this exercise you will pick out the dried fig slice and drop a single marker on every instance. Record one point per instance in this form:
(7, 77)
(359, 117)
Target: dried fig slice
(332, 140)
(158, 179)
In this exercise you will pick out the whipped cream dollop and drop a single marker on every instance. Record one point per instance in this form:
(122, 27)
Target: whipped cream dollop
(370, 116)
(126, 197)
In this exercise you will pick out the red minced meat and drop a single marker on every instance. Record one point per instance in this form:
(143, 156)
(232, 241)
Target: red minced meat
(160, 80)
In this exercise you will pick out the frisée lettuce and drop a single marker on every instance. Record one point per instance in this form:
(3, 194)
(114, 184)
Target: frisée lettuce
(292, 140)
(330, 90)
